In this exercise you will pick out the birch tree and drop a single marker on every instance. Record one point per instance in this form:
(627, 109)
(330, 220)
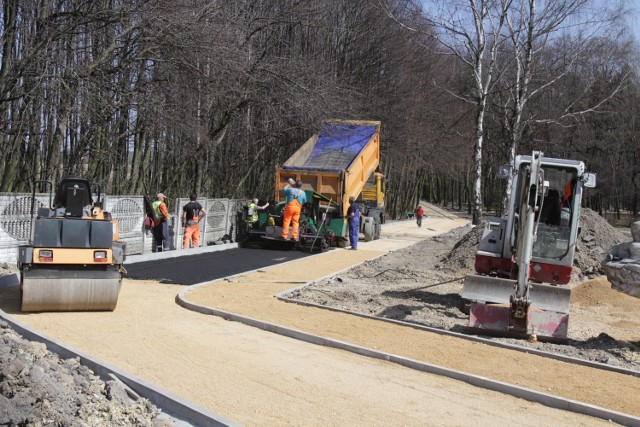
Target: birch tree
(473, 31)
(533, 26)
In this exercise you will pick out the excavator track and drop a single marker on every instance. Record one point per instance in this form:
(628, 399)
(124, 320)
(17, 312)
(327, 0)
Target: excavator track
(45, 289)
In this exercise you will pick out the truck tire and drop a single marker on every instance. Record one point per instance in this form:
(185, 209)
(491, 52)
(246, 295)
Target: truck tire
(369, 229)
(377, 226)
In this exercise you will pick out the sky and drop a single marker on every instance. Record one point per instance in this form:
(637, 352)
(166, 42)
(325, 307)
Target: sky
(634, 17)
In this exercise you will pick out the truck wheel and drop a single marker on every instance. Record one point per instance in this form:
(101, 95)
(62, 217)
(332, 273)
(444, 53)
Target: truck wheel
(369, 229)
(377, 226)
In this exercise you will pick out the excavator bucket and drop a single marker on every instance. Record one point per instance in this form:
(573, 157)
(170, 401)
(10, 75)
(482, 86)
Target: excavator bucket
(491, 310)
(70, 290)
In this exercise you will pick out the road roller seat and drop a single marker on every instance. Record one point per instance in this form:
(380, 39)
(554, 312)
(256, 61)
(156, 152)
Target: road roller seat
(73, 194)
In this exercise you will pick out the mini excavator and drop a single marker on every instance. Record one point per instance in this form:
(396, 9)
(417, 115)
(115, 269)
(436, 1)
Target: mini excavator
(525, 260)
(74, 261)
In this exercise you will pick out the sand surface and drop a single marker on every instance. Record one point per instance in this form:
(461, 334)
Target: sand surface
(259, 378)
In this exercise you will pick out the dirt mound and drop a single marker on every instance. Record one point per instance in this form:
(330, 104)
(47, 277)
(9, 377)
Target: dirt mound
(463, 254)
(38, 388)
(598, 292)
(594, 241)
(596, 237)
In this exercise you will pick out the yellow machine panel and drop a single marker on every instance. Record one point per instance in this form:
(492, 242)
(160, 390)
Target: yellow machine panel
(72, 256)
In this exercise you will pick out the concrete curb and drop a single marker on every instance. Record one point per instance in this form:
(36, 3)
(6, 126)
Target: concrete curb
(568, 359)
(155, 256)
(546, 399)
(170, 404)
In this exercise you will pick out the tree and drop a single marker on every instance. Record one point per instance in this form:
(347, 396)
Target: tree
(473, 33)
(533, 27)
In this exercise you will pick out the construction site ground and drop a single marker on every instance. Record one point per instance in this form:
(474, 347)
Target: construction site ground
(254, 377)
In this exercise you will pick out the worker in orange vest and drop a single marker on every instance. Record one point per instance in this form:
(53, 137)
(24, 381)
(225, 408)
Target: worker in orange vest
(192, 214)
(160, 225)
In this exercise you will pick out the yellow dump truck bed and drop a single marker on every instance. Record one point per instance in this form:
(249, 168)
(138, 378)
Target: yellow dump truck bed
(336, 162)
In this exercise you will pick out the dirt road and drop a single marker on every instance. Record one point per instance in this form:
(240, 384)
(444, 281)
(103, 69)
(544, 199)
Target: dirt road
(259, 378)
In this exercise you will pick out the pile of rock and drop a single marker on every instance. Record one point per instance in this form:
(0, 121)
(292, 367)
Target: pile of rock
(622, 264)
(37, 388)
(462, 257)
(595, 239)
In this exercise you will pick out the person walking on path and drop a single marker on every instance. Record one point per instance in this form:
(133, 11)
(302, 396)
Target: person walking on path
(294, 198)
(160, 225)
(192, 214)
(419, 214)
(353, 217)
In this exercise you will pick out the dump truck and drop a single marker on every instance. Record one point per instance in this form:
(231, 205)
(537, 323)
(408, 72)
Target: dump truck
(339, 162)
(74, 261)
(524, 260)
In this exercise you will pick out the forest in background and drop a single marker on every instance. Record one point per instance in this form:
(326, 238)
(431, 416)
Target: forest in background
(143, 96)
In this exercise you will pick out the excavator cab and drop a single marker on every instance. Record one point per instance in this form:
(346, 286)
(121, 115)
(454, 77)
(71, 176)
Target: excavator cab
(74, 261)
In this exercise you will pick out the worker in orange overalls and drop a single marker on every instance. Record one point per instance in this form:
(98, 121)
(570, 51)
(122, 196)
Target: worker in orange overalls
(294, 198)
(192, 214)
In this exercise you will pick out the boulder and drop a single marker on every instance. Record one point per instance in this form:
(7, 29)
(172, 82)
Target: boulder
(622, 264)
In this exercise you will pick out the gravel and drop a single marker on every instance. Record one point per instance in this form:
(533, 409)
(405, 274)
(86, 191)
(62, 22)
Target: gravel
(422, 284)
(37, 388)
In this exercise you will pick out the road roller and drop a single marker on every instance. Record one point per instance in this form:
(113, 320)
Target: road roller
(74, 261)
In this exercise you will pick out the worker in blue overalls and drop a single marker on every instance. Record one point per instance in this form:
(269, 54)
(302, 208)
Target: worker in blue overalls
(353, 217)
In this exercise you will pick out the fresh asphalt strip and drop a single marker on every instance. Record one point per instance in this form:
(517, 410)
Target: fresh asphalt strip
(190, 269)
